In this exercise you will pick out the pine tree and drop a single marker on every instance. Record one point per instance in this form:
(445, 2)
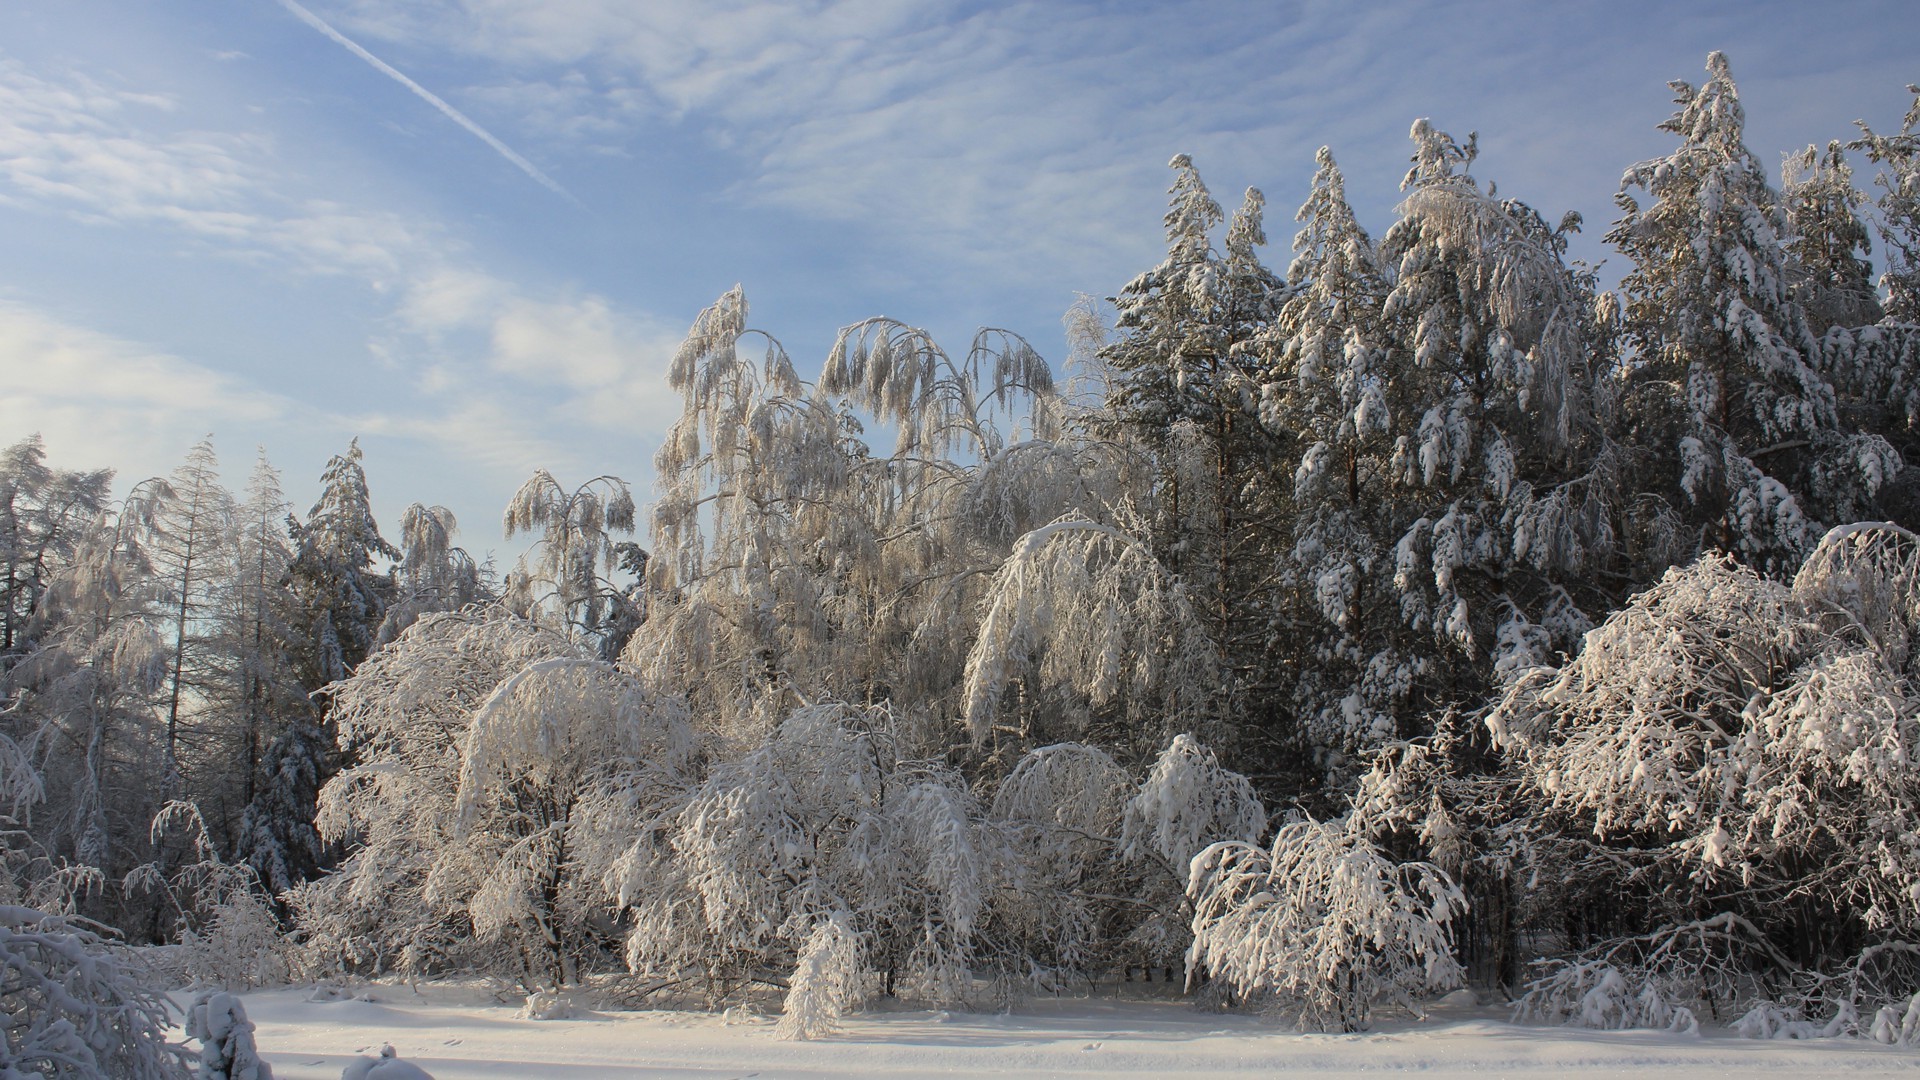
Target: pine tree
(1450, 479)
(339, 597)
(1710, 313)
(1186, 371)
(1827, 255)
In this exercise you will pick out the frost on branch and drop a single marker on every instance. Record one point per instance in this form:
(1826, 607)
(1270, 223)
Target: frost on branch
(826, 981)
(1083, 617)
(1323, 923)
(76, 1006)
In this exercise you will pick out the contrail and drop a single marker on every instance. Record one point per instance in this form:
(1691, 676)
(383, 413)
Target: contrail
(430, 98)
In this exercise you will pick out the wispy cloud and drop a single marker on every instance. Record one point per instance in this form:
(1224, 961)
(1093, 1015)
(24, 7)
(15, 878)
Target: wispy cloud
(1028, 138)
(430, 98)
(107, 401)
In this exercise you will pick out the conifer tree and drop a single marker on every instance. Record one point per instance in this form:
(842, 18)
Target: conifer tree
(192, 559)
(1757, 451)
(338, 594)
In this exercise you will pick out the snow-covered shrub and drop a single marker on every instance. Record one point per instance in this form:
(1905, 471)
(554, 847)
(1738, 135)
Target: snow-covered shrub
(1054, 828)
(1663, 979)
(229, 934)
(486, 743)
(226, 1039)
(1323, 923)
(1735, 753)
(76, 1005)
(822, 821)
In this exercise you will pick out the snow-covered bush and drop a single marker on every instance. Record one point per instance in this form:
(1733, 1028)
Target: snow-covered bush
(1731, 752)
(77, 1006)
(486, 742)
(822, 821)
(226, 1039)
(229, 934)
(1054, 828)
(1323, 923)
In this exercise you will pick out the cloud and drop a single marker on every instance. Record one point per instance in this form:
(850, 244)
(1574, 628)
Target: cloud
(576, 356)
(1022, 143)
(114, 402)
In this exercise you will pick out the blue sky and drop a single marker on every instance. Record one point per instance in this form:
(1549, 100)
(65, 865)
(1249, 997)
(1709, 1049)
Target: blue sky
(220, 219)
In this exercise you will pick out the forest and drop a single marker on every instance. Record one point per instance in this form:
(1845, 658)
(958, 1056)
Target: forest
(1426, 613)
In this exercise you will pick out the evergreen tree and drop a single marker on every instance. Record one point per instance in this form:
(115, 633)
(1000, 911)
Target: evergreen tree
(1451, 486)
(339, 596)
(1827, 254)
(1757, 450)
(1186, 380)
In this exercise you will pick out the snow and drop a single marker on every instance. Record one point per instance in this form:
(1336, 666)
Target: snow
(461, 1032)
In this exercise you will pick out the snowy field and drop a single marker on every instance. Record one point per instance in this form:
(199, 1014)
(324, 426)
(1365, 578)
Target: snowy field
(460, 1034)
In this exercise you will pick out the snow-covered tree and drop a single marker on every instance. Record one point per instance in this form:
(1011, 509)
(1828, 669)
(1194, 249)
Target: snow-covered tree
(750, 527)
(1827, 250)
(822, 822)
(433, 573)
(339, 597)
(1723, 353)
(1081, 621)
(192, 555)
(1185, 363)
(479, 734)
(1452, 488)
(44, 514)
(1733, 745)
(85, 696)
(1324, 923)
(281, 754)
(1899, 206)
(564, 581)
(791, 565)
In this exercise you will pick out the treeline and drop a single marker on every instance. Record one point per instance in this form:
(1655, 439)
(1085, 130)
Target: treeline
(1334, 635)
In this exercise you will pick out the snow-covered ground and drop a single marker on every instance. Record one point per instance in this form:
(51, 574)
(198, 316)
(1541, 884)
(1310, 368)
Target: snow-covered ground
(459, 1033)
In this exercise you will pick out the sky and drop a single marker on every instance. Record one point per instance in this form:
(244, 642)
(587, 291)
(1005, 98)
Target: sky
(470, 233)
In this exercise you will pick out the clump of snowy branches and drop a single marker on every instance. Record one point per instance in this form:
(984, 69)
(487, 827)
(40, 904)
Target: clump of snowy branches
(77, 1004)
(1742, 749)
(1085, 608)
(227, 1051)
(1323, 923)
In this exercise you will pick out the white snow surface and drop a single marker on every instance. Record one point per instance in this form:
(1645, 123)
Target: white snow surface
(462, 1032)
